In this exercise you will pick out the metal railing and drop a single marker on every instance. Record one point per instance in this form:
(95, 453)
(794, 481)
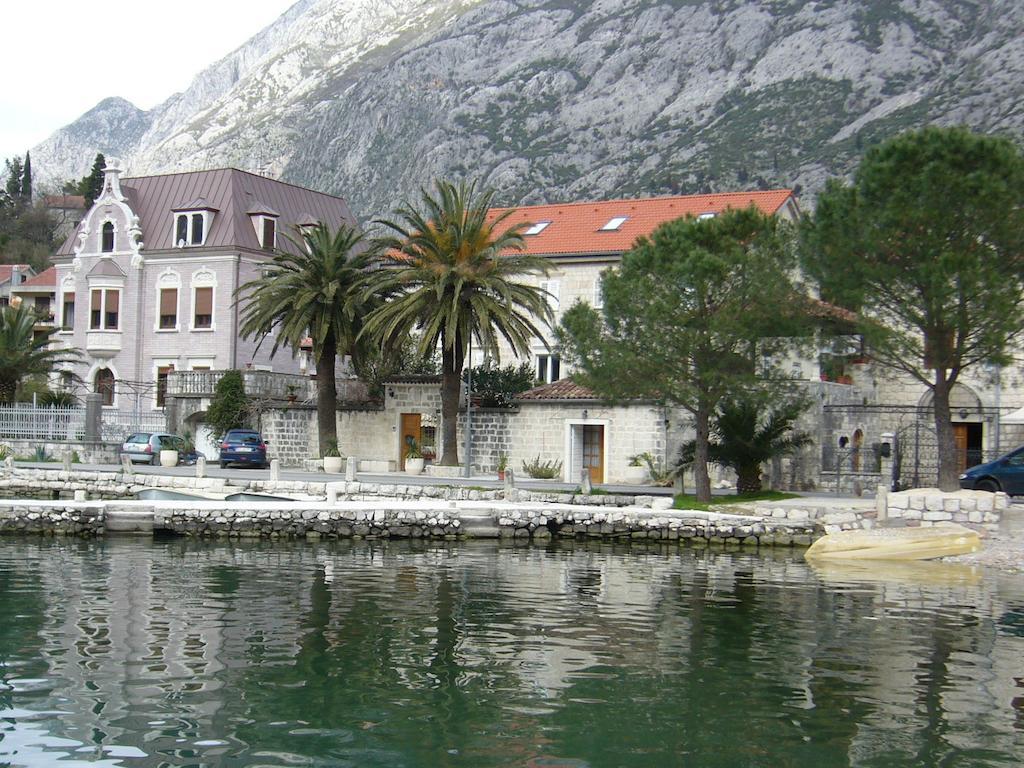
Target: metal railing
(262, 384)
(116, 425)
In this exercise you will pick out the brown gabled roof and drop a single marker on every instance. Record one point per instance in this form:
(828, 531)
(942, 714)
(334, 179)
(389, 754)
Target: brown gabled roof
(232, 193)
(45, 279)
(563, 389)
(575, 228)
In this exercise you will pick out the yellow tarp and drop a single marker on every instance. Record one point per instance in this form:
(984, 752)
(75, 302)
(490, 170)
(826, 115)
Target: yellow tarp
(896, 544)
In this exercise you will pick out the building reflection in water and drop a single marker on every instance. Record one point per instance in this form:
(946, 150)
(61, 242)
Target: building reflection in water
(410, 652)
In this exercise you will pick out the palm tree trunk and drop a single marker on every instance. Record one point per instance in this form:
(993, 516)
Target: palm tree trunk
(451, 387)
(326, 394)
(748, 478)
(700, 454)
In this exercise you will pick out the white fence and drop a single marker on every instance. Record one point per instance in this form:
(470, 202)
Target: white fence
(23, 421)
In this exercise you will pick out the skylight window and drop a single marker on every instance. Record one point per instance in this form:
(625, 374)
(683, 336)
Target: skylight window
(536, 229)
(614, 224)
(705, 216)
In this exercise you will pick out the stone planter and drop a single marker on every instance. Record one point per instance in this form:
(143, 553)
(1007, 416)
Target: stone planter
(168, 458)
(333, 464)
(413, 466)
(636, 475)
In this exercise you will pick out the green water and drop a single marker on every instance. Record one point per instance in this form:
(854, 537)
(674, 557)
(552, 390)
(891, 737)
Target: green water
(134, 653)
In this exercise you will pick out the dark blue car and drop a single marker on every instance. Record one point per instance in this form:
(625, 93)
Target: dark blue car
(1004, 474)
(243, 446)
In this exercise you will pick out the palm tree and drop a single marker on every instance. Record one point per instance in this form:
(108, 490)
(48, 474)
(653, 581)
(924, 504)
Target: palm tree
(743, 438)
(315, 291)
(24, 351)
(454, 276)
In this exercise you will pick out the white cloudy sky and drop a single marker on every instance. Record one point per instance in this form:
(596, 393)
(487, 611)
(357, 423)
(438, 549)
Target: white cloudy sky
(61, 57)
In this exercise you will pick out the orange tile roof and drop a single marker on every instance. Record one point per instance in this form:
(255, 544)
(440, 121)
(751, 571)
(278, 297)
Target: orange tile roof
(6, 270)
(45, 279)
(575, 228)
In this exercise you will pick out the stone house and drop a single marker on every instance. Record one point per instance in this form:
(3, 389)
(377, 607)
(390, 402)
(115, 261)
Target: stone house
(146, 284)
(11, 276)
(38, 292)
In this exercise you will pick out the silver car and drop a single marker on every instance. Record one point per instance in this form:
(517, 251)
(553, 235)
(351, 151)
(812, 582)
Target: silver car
(145, 447)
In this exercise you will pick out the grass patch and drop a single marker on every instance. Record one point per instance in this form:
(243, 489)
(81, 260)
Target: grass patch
(689, 501)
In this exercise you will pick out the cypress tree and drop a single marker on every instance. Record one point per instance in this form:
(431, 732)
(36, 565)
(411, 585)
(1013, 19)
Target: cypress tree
(92, 184)
(26, 180)
(14, 173)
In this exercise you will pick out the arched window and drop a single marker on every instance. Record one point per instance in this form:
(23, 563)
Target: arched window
(107, 246)
(104, 385)
(181, 231)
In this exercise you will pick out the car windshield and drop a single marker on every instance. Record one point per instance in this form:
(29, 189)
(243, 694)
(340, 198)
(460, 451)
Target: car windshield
(138, 438)
(245, 438)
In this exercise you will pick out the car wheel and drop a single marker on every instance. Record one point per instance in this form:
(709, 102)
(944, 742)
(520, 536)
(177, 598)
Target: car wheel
(154, 461)
(223, 465)
(988, 484)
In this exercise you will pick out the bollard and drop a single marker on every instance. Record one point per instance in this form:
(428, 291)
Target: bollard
(67, 462)
(201, 466)
(9, 462)
(882, 502)
(585, 485)
(351, 467)
(510, 480)
(126, 464)
(275, 470)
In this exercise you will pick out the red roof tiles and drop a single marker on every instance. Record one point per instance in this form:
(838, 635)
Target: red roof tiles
(575, 228)
(7, 269)
(563, 389)
(45, 279)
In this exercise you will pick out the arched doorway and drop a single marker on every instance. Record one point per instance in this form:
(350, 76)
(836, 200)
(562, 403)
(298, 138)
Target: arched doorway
(857, 444)
(103, 384)
(968, 416)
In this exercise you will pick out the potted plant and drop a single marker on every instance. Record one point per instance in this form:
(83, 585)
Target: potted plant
(502, 465)
(413, 458)
(169, 454)
(636, 471)
(332, 458)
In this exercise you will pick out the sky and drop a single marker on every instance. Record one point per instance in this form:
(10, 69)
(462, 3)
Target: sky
(62, 57)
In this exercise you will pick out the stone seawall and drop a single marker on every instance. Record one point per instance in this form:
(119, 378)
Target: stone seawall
(396, 519)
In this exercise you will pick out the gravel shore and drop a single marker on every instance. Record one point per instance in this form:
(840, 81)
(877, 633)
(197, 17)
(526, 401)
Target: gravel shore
(1003, 550)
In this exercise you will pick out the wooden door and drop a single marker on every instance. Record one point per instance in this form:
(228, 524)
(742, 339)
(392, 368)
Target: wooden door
(410, 431)
(593, 452)
(960, 438)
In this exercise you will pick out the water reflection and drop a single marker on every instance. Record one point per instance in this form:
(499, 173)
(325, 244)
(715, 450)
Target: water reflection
(125, 652)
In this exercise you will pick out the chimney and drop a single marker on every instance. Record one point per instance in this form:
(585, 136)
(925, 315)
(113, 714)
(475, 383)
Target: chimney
(112, 179)
(16, 278)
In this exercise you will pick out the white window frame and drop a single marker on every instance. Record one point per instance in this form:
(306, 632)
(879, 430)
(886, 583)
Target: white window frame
(553, 287)
(257, 222)
(190, 237)
(536, 228)
(614, 224)
(203, 278)
(105, 288)
(158, 363)
(547, 357)
(67, 286)
(168, 279)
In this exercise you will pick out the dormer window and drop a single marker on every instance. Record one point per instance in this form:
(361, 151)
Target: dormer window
(192, 222)
(269, 239)
(107, 237)
(536, 229)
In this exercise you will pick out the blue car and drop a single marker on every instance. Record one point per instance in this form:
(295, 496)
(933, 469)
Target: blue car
(244, 446)
(1004, 474)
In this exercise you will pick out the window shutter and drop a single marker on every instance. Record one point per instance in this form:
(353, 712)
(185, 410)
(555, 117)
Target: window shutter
(168, 301)
(95, 309)
(113, 301)
(204, 301)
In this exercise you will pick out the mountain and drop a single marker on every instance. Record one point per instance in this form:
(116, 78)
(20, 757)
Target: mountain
(564, 100)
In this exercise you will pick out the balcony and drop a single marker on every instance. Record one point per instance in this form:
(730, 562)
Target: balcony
(103, 343)
(268, 385)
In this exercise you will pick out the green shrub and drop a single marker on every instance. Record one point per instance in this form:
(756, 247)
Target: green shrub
(543, 470)
(332, 448)
(229, 406)
(497, 387)
(413, 451)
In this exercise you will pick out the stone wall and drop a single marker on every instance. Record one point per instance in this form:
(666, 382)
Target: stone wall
(292, 433)
(68, 519)
(926, 507)
(492, 437)
(88, 453)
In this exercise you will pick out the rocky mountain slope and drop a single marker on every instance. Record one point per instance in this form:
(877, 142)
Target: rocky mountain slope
(565, 99)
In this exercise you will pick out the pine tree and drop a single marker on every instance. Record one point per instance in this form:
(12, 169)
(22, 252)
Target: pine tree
(26, 180)
(15, 171)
